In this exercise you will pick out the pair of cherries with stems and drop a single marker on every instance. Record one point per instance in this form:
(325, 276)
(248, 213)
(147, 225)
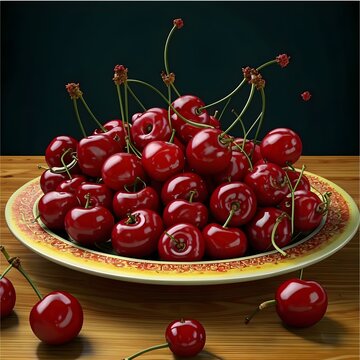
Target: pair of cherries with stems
(55, 319)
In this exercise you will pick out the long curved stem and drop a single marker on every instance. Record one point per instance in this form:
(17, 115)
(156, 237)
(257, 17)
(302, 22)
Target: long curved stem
(263, 106)
(135, 97)
(223, 109)
(120, 104)
(161, 346)
(277, 222)
(91, 114)
(78, 118)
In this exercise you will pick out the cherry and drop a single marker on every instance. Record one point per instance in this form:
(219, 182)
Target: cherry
(7, 297)
(250, 148)
(293, 175)
(50, 180)
(299, 303)
(281, 146)
(53, 206)
(121, 169)
(115, 131)
(92, 152)
(125, 202)
(268, 181)
(57, 318)
(182, 185)
(234, 195)
(187, 106)
(57, 147)
(137, 236)
(100, 194)
(180, 211)
(184, 337)
(309, 209)
(152, 125)
(269, 228)
(162, 160)
(208, 152)
(89, 225)
(71, 185)
(181, 242)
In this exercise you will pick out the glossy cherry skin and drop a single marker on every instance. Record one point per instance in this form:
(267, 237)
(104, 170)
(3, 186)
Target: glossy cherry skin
(301, 303)
(235, 171)
(234, 194)
(116, 132)
(57, 318)
(259, 229)
(308, 210)
(180, 187)
(223, 242)
(281, 146)
(184, 211)
(188, 106)
(70, 185)
(92, 152)
(7, 297)
(213, 121)
(151, 126)
(206, 153)
(268, 181)
(50, 180)
(137, 236)
(121, 169)
(88, 226)
(185, 243)
(303, 184)
(57, 147)
(251, 149)
(162, 160)
(126, 202)
(100, 194)
(186, 337)
(53, 206)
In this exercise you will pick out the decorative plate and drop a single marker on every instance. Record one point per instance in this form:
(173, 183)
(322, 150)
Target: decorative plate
(338, 228)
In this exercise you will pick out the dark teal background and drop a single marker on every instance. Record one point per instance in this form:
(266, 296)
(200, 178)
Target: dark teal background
(48, 44)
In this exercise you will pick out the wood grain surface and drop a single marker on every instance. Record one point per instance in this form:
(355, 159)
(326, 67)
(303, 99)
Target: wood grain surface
(121, 318)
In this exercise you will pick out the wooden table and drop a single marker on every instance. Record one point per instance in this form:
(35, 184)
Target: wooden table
(122, 318)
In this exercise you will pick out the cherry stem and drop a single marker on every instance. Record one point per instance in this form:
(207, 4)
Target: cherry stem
(166, 57)
(118, 90)
(131, 219)
(241, 124)
(262, 306)
(245, 154)
(199, 125)
(91, 114)
(155, 347)
(277, 222)
(243, 110)
(16, 264)
(301, 273)
(263, 106)
(224, 108)
(63, 162)
(238, 87)
(8, 268)
(234, 208)
(326, 201)
(42, 167)
(171, 140)
(78, 118)
(87, 198)
(169, 112)
(126, 108)
(135, 97)
(131, 146)
(179, 244)
(192, 194)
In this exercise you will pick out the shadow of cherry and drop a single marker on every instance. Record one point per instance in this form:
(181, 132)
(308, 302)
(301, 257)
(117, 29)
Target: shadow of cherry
(203, 355)
(9, 321)
(74, 349)
(327, 331)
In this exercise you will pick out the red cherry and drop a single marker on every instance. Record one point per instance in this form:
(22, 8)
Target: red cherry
(182, 185)
(121, 169)
(188, 106)
(213, 121)
(137, 236)
(185, 337)
(50, 180)
(260, 228)
(70, 185)
(301, 303)
(150, 126)
(181, 242)
(162, 160)
(126, 202)
(115, 131)
(53, 207)
(57, 147)
(233, 195)
(224, 243)
(303, 184)
(268, 181)
(99, 193)
(183, 211)
(281, 146)
(7, 297)
(89, 225)
(92, 152)
(207, 152)
(57, 318)
(308, 210)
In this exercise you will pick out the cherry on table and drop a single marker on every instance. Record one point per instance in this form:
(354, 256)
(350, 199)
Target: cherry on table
(7, 297)
(57, 147)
